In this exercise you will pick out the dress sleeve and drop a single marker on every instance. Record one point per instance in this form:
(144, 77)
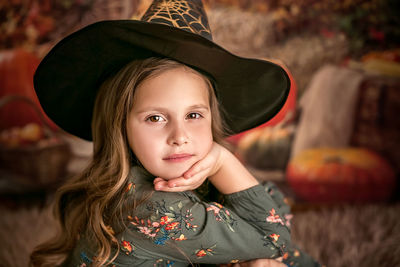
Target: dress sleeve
(249, 204)
(179, 227)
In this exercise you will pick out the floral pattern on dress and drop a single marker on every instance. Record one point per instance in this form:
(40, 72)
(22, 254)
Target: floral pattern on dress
(282, 202)
(274, 237)
(165, 223)
(288, 219)
(200, 253)
(271, 241)
(126, 247)
(222, 214)
(130, 188)
(274, 218)
(160, 262)
(290, 258)
(86, 261)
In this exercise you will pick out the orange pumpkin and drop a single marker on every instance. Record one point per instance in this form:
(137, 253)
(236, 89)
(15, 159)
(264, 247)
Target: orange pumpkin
(340, 175)
(17, 67)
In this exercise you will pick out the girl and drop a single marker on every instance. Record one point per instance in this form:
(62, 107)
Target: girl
(155, 121)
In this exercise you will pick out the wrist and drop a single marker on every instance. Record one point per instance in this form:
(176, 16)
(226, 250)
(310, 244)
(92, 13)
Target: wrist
(231, 176)
(223, 155)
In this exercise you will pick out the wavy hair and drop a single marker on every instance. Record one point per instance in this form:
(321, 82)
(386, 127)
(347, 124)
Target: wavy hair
(82, 203)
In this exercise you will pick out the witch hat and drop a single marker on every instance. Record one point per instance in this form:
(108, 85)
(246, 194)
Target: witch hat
(250, 91)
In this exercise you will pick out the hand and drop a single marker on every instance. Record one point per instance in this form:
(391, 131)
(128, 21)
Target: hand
(196, 175)
(258, 263)
(263, 263)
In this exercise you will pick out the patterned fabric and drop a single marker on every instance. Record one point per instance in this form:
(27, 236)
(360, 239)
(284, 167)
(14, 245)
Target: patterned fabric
(177, 229)
(187, 15)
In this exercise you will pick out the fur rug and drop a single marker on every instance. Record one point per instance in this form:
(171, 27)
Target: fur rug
(363, 235)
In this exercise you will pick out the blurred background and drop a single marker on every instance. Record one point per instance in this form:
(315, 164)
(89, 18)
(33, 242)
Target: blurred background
(334, 148)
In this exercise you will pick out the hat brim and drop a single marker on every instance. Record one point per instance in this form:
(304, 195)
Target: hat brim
(251, 91)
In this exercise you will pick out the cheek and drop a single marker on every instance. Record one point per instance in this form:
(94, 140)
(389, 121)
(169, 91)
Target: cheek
(143, 143)
(204, 138)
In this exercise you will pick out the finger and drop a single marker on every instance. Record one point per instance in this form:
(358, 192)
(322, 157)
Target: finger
(185, 184)
(175, 189)
(181, 184)
(176, 182)
(196, 168)
(163, 186)
(199, 166)
(263, 263)
(160, 185)
(177, 185)
(195, 180)
(273, 263)
(158, 179)
(280, 264)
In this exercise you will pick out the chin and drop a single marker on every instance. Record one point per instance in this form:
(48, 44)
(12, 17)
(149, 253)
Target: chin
(170, 173)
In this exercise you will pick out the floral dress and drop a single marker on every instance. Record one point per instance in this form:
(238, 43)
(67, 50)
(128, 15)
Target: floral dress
(178, 229)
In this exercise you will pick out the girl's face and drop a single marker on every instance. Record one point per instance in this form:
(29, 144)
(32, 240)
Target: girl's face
(169, 126)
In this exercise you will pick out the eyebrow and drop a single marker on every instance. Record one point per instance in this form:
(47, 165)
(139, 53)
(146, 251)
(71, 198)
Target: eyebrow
(197, 106)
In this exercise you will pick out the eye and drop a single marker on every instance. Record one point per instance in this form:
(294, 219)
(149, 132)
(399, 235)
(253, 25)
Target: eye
(155, 118)
(194, 116)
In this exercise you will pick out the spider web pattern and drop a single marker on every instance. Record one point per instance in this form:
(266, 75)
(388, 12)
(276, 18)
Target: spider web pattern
(183, 14)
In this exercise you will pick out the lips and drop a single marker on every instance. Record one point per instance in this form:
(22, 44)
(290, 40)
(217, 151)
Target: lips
(178, 157)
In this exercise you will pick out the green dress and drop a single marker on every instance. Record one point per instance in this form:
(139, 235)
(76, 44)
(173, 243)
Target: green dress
(179, 229)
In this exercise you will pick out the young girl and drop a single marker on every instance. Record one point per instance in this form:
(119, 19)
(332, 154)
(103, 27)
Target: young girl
(156, 122)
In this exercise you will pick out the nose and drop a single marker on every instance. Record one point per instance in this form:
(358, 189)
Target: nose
(178, 135)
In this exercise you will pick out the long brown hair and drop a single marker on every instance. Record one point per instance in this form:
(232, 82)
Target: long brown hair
(81, 203)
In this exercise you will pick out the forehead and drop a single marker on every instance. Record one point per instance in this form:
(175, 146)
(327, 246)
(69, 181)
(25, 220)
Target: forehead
(178, 86)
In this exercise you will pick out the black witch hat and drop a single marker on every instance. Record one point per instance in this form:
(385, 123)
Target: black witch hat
(251, 91)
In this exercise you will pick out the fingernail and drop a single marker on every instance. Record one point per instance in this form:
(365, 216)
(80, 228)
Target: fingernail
(172, 185)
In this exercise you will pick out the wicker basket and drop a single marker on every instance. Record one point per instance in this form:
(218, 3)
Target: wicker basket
(377, 121)
(39, 164)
